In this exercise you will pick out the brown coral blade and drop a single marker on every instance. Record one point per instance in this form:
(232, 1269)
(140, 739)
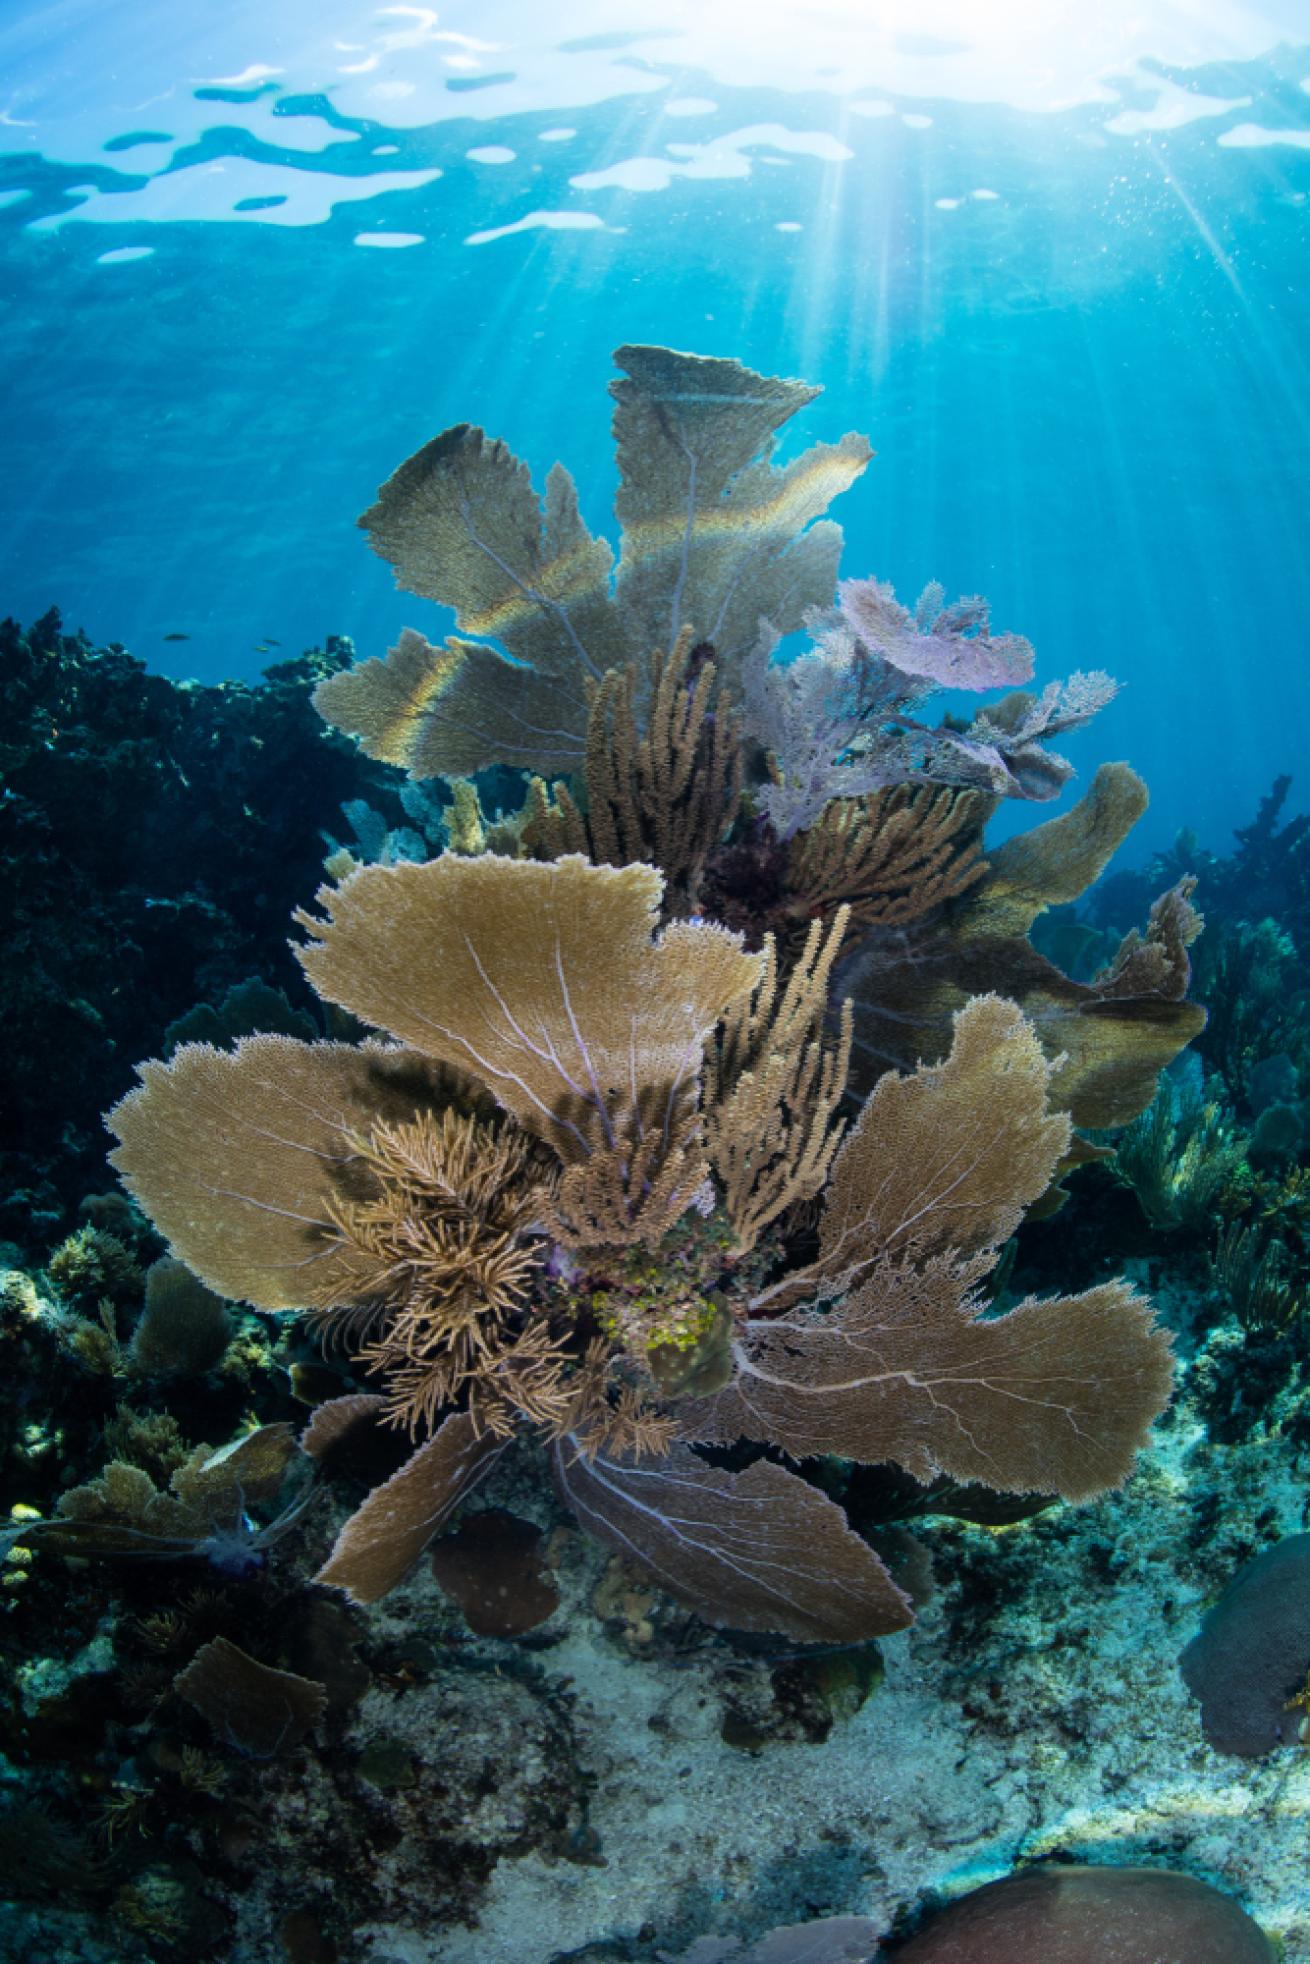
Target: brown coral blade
(237, 1156)
(250, 1705)
(385, 1536)
(1114, 1051)
(541, 980)
(1053, 1397)
(1056, 862)
(1112, 1037)
(1110, 1051)
(715, 535)
(452, 710)
(759, 1550)
(947, 1158)
(460, 523)
(338, 1419)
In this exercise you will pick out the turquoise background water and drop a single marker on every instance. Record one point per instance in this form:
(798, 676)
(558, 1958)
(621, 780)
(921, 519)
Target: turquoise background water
(1055, 267)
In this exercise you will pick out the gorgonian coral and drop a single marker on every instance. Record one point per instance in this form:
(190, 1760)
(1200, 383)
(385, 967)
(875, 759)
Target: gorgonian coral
(603, 1175)
(713, 533)
(619, 1315)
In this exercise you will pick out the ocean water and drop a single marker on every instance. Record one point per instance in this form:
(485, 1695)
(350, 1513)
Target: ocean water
(254, 256)
(1052, 261)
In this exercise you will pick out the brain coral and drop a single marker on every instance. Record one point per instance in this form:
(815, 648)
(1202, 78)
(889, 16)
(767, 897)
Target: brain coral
(1253, 1652)
(1066, 1915)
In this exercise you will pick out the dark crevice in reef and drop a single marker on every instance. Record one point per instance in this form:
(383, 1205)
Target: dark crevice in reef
(154, 839)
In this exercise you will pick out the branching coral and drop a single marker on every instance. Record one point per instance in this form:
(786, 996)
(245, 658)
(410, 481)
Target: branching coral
(445, 1220)
(665, 795)
(1249, 1275)
(773, 1090)
(1253, 981)
(1179, 1157)
(891, 857)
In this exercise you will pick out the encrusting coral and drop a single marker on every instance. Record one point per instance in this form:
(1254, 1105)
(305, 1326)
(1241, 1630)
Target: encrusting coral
(596, 1176)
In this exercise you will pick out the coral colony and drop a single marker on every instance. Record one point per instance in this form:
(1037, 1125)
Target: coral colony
(561, 1192)
(667, 1069)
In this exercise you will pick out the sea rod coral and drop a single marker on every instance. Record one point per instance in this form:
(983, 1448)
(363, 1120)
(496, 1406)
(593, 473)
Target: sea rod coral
(601, 1175)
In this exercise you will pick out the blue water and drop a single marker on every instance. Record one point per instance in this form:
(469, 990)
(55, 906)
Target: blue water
(253, 256)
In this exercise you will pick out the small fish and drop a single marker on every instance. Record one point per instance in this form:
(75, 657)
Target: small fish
(177, 637)
(269, 642)
(261, 647)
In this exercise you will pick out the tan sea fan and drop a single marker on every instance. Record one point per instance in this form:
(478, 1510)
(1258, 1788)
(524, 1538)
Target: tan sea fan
(714, 534)
(545, 982)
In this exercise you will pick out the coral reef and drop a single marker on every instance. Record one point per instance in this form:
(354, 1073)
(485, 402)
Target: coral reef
(484, 1285)
(671, 1084)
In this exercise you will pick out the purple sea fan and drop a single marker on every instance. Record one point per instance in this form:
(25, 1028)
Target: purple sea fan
(1004, 741)
(952, 647)
(807, 713)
